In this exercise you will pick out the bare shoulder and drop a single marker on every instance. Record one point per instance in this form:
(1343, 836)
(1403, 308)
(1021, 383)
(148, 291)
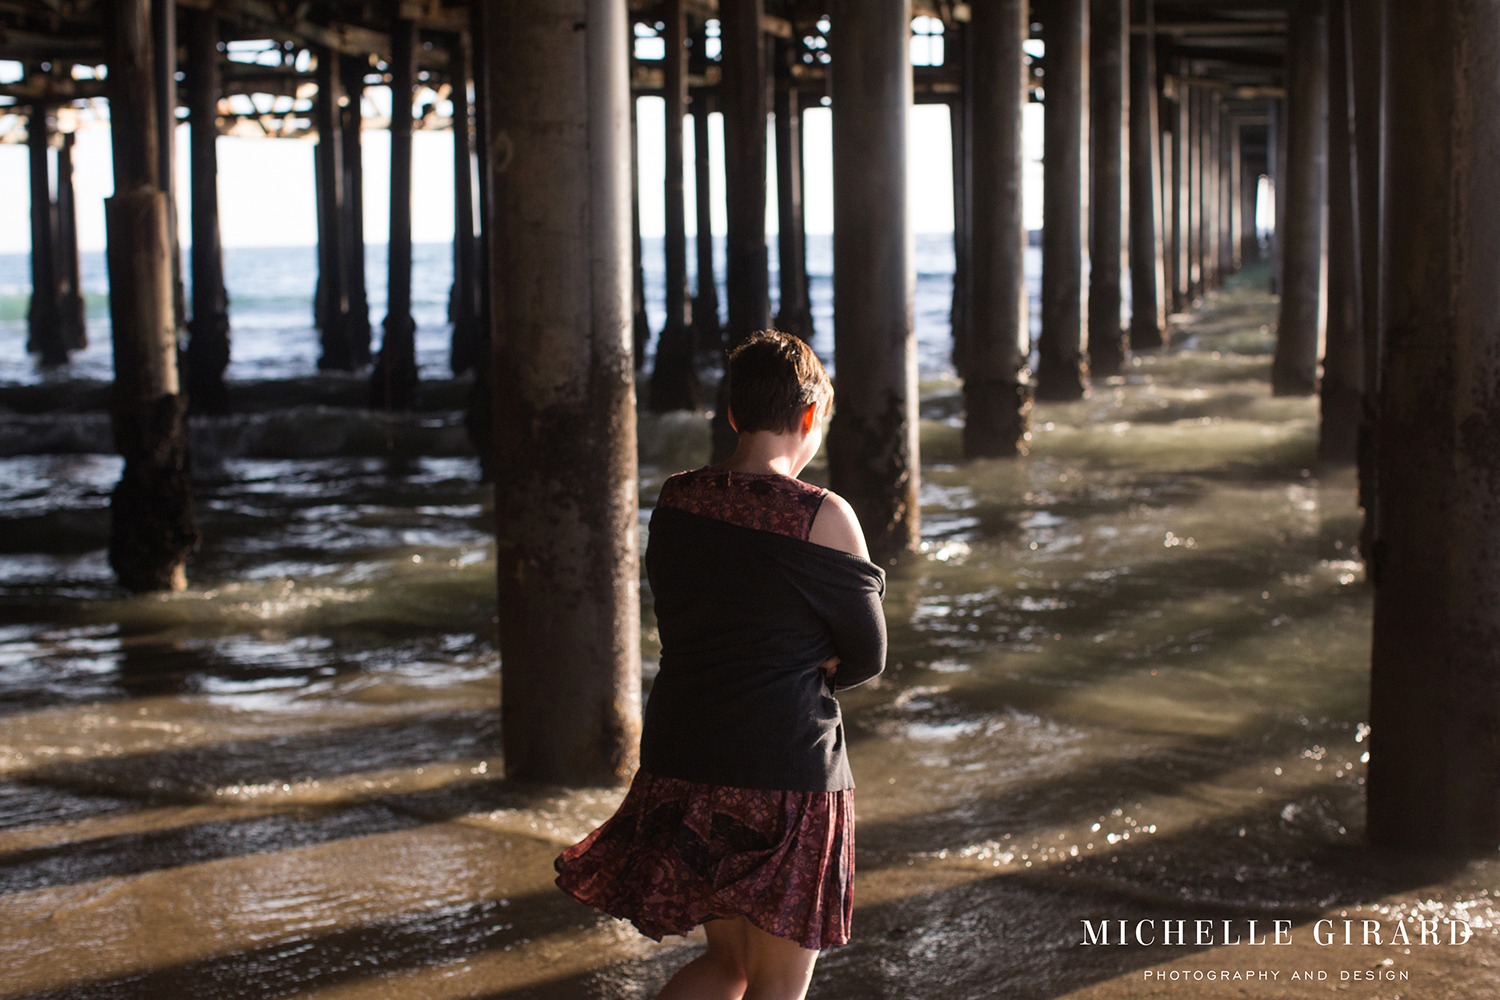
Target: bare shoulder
(837, 527)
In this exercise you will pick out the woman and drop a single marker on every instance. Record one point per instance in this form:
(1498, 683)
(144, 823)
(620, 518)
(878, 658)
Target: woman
(741, 816)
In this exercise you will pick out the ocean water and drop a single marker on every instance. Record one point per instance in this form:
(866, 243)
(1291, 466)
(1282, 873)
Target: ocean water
(271, 290)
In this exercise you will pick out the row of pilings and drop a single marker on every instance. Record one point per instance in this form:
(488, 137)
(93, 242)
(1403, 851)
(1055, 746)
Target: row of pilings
(1398, 157)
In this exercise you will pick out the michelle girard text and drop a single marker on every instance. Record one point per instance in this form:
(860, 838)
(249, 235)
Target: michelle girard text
(1220, 933)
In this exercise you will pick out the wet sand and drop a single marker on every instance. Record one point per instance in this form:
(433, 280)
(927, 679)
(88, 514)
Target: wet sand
(1127, 682)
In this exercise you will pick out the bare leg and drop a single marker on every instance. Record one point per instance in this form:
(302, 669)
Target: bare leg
(717, 974)
(743, 962)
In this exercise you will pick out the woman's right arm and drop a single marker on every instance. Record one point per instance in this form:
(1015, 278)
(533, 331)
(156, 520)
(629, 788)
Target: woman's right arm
(856, 618)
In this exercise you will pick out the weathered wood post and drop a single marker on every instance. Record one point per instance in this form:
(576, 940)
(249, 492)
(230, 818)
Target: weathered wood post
(743, 94)
(164, 45)
(1234, 204)
(1294, 371)
(208, 330)
(1434, 777)
(960, 49)
(70, 274)
(151, 510)
(1148, 320)
(44, 316)
(1109, 101)
(794, 315)
(333, 306)
(565, 487)
(394, 379)
(1366, 34)
(463, 304)
(1342, 386)
(708, 338)
(1194, 189)
(1182, 250)
(997, 401)
(1062, 367)
(640, 325)
(872, 444)
(479, 421)
(351, 125)
(1209, 190)
(674, 377)
(1251, 168)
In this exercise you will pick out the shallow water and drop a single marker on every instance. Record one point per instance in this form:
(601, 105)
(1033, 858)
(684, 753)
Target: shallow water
(1127, 680)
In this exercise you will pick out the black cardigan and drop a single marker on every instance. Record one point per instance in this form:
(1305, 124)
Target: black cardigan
(745, 617)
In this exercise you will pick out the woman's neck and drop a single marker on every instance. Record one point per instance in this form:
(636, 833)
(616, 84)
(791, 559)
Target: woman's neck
(765, 452)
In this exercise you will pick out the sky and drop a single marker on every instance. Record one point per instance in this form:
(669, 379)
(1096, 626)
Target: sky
(266, 185)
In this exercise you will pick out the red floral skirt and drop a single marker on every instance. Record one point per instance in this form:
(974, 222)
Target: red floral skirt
(677, 854)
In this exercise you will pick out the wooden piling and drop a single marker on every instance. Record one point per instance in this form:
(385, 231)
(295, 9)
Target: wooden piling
(1366, 34)
(565, 484)
(208, 330)
(333, 305)
(463, 304)
(997, 399)
(164, 44)
(394, 379)
(1234, 204)
(707, 337)
(1193, 216)
(872, 444)
(960, 49)
(1294, 371)
(479, 421)
(674, 377)
(1062, 369)
(1148, 320)
(640, 325)
(351, 120)
(742, 95)
(794, 315)
(152, 528)
(1109, 102)
(1209, 191)
(1182, 293)
(1342, 386)
(44, 316)
(71, 305)
(1434, 765)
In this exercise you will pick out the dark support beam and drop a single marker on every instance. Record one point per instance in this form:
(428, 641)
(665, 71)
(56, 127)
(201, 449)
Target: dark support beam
(44, 316)
(463, 304)
(1342, 386)
(1366, 35)
(872, 446)
(1109, 102)
(743, 92)
(1251, 170)
(394, 379)
(1294, 371)
(152, 528)
(1182, 249)
(1234, 206)
(960, 47)
(708, 337)
(565, 455)
(1276, 155)
(208, 330)
(71, 304)
(164, 42)
(1148, 323)
(1213, 223)
(357, 322)
(997, 401)
(1435, 688)
(640, 325)
(479, 421)
(1061, 369)
(333, 298)
(794, 315)
(674, 376)
(1194, 188)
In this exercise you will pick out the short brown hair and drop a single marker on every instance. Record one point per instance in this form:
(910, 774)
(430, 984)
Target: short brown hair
(773, 377)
